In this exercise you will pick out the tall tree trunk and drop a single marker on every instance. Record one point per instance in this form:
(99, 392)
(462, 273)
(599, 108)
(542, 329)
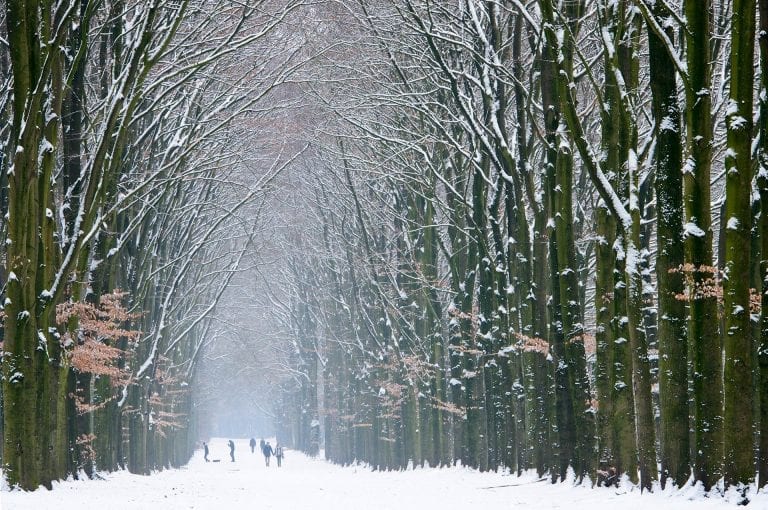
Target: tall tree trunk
(762, 184)
(703, 330)
(738, 391)
(33, 451)
(604, 344)
(572, 325)
(563, 428)
(477, 422)
(673, 347)
(628, 63)
(577, 428)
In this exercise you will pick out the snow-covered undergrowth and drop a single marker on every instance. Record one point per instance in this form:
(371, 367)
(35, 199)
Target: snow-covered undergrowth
(304, 483)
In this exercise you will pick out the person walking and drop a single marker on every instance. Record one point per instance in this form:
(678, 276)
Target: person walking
(261, 444)
(253, 444)
(232, 449)
(267, 451)
(205, 449)
(279, 454)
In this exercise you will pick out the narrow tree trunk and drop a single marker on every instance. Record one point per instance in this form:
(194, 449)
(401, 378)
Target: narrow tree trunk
(604, 340)
(477, 421)
(703, 330)
(641, 369)
(572, 327)
(762, 184)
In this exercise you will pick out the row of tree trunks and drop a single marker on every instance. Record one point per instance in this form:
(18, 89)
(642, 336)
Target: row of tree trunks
(61, 249)
(507, 209)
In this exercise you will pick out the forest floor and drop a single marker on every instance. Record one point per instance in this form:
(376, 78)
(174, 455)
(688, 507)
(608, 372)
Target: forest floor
(305, 483)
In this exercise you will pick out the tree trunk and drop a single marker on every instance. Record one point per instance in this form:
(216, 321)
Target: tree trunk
(604, 341)
(738, 386)
(762, 184)
(673, 348)
(703, 330)
(628, 63)
(572, 326)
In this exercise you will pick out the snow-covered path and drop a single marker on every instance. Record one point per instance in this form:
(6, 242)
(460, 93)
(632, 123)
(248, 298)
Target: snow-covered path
(304, 483)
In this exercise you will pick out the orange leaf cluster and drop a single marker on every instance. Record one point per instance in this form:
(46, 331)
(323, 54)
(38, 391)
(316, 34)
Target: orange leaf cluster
(710, 286)
(417, 368)
(100, 322)
(392, 399)
(702, 282)
(97, 327)
(97, 358)
(532, 344)
(164, 420)
(82, 407)
(465, 350)
(447, 407)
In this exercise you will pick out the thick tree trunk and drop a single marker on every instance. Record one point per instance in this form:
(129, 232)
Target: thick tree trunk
(34, 445)
(673, 346)
(738, 367)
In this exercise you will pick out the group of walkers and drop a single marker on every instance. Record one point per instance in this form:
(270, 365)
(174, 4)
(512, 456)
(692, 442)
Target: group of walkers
(268, 451)
(265, 447)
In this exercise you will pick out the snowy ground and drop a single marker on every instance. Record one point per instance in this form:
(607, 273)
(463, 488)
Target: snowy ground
(304, 483)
